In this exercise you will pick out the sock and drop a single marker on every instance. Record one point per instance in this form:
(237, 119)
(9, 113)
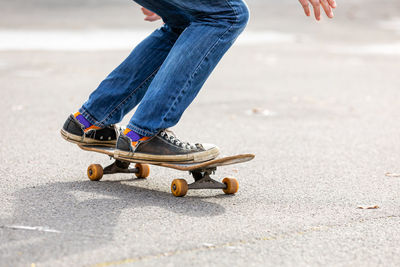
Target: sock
(134, 136)
(86, 124)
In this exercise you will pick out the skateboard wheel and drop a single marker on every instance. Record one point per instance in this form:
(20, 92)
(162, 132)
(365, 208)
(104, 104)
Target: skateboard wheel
(179, 187)
(144, 170)
(232, 186)
(95, 172)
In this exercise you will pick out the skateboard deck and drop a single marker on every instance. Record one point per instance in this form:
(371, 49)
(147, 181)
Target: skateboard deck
(200, 171)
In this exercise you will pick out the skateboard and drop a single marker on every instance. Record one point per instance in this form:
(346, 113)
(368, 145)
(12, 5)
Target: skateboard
(201, 172)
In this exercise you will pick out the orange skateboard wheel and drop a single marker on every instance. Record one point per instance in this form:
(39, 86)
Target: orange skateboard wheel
(232, 186)
(179, 187)
(95, 172)
(144, 170)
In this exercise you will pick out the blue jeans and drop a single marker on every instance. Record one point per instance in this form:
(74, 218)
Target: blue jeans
(165, 72)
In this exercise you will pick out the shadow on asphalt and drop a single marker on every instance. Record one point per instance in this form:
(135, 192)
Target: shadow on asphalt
(84, 212)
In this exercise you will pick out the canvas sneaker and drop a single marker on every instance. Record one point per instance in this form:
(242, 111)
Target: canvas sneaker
(73, 131)
(164, 147)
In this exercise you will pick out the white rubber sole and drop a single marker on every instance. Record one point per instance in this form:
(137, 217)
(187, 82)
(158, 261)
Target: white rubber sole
(81, 140)
(197, 157)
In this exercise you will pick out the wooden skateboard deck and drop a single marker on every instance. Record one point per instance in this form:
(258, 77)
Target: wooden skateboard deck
(177, 166)
(200, 171)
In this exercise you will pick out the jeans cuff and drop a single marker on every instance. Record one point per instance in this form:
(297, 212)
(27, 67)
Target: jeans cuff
(90, 118)
(140, 131)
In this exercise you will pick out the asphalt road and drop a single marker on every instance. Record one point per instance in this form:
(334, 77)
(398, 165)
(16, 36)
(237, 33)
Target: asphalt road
(318, 103)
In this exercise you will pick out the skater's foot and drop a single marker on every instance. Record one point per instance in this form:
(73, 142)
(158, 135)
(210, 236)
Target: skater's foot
(78, 130)
(163, 147)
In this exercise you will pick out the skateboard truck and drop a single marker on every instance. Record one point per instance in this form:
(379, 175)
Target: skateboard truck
(119, 167)
(95, 171)
(202, 180)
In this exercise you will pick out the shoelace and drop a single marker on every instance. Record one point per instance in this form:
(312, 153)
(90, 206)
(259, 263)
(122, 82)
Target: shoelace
(170, 137)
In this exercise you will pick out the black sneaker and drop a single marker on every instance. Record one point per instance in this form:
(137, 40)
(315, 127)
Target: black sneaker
(164, 147)
(73, 131)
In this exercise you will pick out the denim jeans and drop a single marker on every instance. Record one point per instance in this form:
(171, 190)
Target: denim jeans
(165, 72)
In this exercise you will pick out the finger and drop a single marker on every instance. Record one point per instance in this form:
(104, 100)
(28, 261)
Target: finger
(307, 10)
(327, 8)
(152, 18)
(306, 7)
(332, 3)
(317, 10)
(147, 12)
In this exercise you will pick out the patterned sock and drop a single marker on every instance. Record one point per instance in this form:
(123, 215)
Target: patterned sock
(134, 136)
(86, 124)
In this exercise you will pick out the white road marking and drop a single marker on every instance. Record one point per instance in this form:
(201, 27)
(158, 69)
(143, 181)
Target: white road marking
(106, 40)
(31, 228)
(95, 40)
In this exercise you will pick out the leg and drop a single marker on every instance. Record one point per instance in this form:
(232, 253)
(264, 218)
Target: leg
(214, 27)
(123, 89)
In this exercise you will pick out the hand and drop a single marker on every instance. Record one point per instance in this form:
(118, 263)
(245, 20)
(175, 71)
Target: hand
(150, 16)
(327, 5)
